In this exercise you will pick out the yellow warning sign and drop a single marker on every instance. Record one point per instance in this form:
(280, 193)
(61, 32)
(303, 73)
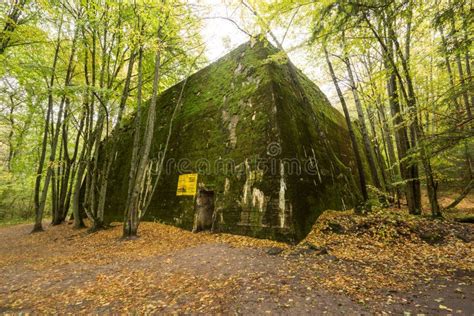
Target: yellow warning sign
(187, 184)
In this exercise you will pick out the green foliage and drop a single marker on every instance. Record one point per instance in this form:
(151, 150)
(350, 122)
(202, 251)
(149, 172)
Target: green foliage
(95, 40)
(15, 198)
(106, 33)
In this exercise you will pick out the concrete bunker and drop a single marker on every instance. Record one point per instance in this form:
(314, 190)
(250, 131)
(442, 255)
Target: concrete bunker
(238, 129)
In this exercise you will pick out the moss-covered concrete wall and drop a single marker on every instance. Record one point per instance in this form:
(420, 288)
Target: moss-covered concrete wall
(261, 135)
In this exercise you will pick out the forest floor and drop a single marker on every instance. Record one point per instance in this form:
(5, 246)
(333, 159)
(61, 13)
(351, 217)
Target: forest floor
(385, 262)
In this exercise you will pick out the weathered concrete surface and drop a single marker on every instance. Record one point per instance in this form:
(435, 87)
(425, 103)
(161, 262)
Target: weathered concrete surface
(262, 137)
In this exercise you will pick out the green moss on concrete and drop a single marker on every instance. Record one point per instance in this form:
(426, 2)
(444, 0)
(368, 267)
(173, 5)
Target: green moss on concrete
(232, 111)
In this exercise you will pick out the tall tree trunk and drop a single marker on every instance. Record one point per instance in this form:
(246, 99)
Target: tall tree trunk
(385, 164)
(57, 129)
(55, 182)
(467, 154)
(417, 136)
(467, 59)
(98, 176)
(363, 127)
(50, 170)
(133, 212)
(129, 219)
(148, 198)
(66, 165)
(415, 128)
(408, 170)
(94, 169)
(39, 203)
(72, 165)
(352, 136)
(401, 137)
(62, 174)
(465, 95)
(448, 65)
(78, 222)
(88, 203)
(109, 148)
(81, 167)
(457, 55)
(91, 202)
(388, 139)
(126, 90)
(11, 133)
(377, 152)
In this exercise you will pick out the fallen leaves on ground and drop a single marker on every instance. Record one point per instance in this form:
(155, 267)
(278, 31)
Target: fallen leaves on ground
(171, 270)
(104, 264)
(389, 249)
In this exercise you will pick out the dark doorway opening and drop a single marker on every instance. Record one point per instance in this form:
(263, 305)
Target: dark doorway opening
(204, 209)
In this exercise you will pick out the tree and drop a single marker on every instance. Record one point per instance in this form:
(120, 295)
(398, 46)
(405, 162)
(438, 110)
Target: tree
(40, 195)
(12, 19)
(355, 146)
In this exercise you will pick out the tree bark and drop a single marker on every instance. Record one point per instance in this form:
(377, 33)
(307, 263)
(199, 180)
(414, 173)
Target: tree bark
(401, 137)
(377, 152)
(363, 127)
(352, 136)
(132, 220)
(11, 133)
(63, 108)
(81, 167)
(463, 194)
(39, 203)
(12, 21)
(408, 170)
(448, 65)
(457, 55)
(417, 138)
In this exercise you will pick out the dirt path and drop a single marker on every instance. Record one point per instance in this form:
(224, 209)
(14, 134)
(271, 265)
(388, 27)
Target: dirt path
(261, 282)
(169, 270)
